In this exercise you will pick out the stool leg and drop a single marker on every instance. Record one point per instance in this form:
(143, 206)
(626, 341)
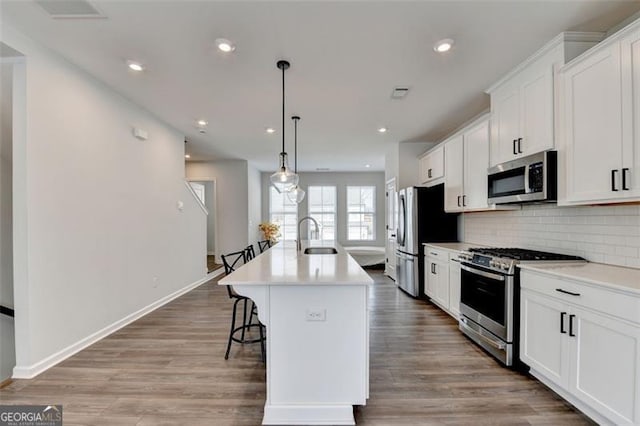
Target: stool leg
(244, 318)
(264, 358)
(252, 313)
(233, 325)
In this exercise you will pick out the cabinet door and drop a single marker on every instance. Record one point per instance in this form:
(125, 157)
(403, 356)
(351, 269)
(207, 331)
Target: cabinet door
(593, 126)
(454, 179)
(454, 288)
(422, 169)
(606, 361)
(476, 163)
(441, 280)
(543, 327)
(430, 278)
(505, 123)
(536, 103)
(631, 102)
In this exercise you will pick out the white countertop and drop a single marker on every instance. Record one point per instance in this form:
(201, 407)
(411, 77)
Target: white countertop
(626, 279)
(282, 264)
(454, 246)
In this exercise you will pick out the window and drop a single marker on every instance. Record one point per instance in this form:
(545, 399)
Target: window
(361, 213)
(284, 212)
(322, 207)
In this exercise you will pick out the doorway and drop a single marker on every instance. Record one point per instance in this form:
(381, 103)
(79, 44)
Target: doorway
(7, 325)
(391, 198)
(206, 192)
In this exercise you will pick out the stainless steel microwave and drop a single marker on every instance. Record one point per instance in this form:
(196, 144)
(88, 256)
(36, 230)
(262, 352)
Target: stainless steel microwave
(528, 179)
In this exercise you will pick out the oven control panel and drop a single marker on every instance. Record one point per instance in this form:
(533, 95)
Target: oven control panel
(481, 260)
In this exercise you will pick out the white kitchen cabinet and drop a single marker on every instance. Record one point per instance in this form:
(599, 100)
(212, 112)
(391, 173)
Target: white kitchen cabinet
(584, 343)
(454, 179)
(522, 103)
(600, 101)
(431, 165)
(466, 161)
(437, 276)
(542, 343)
(454, 288)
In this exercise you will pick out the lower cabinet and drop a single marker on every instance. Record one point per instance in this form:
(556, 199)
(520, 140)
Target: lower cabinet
(442, 279)
(581, 351)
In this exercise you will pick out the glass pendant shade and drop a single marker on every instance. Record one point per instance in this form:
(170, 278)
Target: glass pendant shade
(296, 194)
(284, 179)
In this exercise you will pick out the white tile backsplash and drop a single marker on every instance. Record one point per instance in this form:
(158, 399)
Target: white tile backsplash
(606, 234)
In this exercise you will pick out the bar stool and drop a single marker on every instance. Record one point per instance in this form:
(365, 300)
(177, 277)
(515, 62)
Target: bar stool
(232, 261)
(251, 254)
(264, 245)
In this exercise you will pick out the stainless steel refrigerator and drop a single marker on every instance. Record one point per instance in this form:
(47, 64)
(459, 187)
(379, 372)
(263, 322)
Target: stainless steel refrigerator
(421, 219)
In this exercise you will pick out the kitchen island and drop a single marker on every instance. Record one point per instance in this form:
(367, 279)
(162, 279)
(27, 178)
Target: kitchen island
(315, 309)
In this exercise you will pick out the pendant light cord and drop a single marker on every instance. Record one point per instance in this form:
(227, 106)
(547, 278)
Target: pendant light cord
(283, 69)
(295, 154)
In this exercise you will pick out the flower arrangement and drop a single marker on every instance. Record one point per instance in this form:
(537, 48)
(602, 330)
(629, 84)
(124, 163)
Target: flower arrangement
(271, 231)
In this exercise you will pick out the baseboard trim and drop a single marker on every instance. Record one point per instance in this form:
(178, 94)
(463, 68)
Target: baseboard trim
(31, 371)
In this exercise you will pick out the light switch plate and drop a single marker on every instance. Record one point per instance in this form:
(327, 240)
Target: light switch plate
(315, 314)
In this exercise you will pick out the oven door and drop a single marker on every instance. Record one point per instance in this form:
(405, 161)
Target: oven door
(486, 298)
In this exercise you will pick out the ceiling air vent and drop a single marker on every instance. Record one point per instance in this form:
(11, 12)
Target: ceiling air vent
(399, 92)
(322, 169)
(70, 9)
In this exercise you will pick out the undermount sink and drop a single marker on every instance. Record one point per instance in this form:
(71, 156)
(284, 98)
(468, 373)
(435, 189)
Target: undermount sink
(320, 250)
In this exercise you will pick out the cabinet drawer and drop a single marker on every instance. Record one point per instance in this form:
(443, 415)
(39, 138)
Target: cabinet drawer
(600, 299)
(436, 253)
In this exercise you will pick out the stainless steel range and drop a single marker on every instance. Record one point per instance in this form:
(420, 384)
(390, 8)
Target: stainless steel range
(490, 296)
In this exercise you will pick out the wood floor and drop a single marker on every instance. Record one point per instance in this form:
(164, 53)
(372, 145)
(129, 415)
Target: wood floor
(168, 368)
(211, 263)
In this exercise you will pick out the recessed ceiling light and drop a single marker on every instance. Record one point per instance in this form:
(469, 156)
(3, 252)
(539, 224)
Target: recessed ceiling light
(270, 130)
(225, 45)
(187, 156)
(443, 45)
(202, 123)
(135, 66)
(382, 129)
(367, 165)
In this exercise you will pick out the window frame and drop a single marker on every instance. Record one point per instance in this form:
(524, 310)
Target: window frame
(283, 212)
(363, 211)
(311, 213)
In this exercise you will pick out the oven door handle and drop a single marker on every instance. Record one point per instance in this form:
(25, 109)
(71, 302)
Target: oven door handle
(483, 273)
(498, 345)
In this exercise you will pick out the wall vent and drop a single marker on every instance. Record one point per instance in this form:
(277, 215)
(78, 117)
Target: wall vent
(322, 169)
(70, 9)
(399, 92)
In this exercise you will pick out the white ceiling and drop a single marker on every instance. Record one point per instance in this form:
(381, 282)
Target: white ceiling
(345, 59)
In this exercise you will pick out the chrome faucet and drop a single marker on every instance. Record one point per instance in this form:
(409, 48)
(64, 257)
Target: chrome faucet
(315, 222)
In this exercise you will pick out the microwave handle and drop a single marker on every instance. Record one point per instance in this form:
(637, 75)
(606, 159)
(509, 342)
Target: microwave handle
(527, 188)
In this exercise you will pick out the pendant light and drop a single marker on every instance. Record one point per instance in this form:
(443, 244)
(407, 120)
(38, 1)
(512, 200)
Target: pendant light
(283, 179)
(295, 193)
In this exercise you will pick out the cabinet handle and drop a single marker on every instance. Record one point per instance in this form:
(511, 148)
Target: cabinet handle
(519, 145)
(613, 179)
(562, 315)
(459, 201)
(464, 201)
(433, 269)
(624, 179)
(433, 253)
(571, 317)
(570, 293)
(515, 152)
(429, 173)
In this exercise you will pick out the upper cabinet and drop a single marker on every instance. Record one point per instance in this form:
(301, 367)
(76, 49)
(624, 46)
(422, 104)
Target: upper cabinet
(522, 103)
(431, 165)
(466, 162)
(599, 143)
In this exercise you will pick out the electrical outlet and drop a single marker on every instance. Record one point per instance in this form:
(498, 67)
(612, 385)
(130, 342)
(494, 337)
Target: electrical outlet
(316, 315)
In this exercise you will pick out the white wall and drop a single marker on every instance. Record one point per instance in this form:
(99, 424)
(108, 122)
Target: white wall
(209, 203)
(255, 203)
(605, 234)
(232, 200)
(7, 339)
(340, 180)
(99, 235)
(401, 162)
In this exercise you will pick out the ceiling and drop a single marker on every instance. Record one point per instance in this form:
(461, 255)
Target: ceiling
(346, 57)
